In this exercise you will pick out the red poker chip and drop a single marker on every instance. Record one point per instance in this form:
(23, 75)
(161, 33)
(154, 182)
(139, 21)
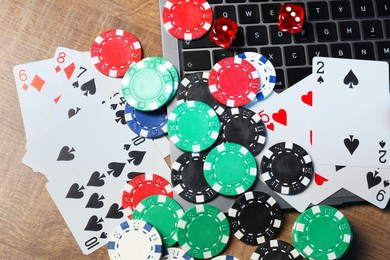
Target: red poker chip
(141, 187)
(234, 81)
(187, 20)
(114, 51)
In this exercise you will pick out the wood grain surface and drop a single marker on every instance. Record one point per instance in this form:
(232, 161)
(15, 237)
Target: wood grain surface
(31, 226)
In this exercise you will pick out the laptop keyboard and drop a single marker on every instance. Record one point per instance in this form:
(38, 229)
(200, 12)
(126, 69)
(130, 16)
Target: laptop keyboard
(357, 29)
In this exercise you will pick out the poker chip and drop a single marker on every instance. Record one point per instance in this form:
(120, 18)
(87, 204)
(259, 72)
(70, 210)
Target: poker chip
(322, 232)
(225, 257)
(242, 126)
(114, 51)
(266, 72)
(234, 81)
(188, 179)
(230, 169)
(203, 231)
(193, 126)
(141, 187)
(287, 168)
(135, 239)
(149, 124)
(147, 85)
(172, 70)
(196, 87)
(163, 213)
(275, 250)
(255, 217)
(173, 253)
(187, 20)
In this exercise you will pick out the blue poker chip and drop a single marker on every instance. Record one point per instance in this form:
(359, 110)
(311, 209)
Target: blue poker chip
(266, 72)
(149, 124)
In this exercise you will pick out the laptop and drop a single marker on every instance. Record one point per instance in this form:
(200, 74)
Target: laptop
(354, 29)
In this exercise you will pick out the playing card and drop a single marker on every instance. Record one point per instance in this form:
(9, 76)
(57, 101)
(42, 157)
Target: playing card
(350, 116)
(39, 88)
(370, 184)
(90, 93)
(287, 117)
(78, 89)
(90, 199)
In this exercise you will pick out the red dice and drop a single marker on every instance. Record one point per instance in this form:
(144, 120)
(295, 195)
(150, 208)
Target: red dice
(223, 32)
(291, 17)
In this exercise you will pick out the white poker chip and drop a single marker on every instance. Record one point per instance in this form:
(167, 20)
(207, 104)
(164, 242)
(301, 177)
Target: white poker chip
(173, 253)
(266, 71)
(135, 239)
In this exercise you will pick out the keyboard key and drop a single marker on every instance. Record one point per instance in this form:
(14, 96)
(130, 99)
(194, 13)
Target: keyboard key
(280, 83)
(221, 54)
(326, 32)
(341, 9)
(306, 35)
(318, 11)
(372, 29)
(240, 38)
(295, 55)
(363, 8)
(270, 12)
(341, 50)
(278, 37)
(203, 42)
(318, 50)
(256, 35)
(214, 2)
(248, 14)
(383, 7)
(383, 50)
(241, 50)
(196, 60)
(349, 31)
(387, 28)
(235, 1)
(295, 75)
(228, 11)
(273, 54)
(364, 50)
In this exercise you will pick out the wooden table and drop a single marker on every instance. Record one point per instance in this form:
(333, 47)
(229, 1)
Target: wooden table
(31, 226)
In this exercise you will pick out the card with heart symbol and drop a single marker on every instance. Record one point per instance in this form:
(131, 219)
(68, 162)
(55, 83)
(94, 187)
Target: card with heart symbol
(351, 119)
(287, 118)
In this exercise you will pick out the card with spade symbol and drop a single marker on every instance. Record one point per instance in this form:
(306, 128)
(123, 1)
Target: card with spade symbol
(350, 117)
(72, 120)
(90, 198)
(370, 184)
(287, 118)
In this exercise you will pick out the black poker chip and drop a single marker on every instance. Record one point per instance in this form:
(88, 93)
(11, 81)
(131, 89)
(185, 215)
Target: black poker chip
(287, 168)
(255, 217)
(276, 250)
(188, 179)
(196, 87)
(242, 126)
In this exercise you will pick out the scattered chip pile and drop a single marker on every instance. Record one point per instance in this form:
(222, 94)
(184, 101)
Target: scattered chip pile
(219, 138)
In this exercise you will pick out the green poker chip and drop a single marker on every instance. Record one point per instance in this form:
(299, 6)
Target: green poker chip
(193, 126)
(322, 232)
(163, 213)
(147, 85)
(203, 231)
(230, 169)
(172, 70)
